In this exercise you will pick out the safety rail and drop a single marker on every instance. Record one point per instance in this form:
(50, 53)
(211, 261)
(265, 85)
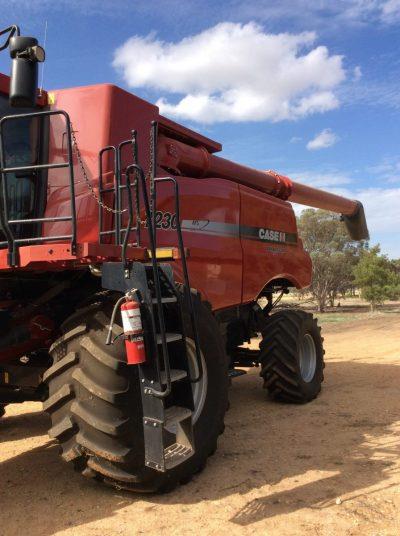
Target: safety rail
(12, 242)
(150, 208)
(182, 255)
(118, 232)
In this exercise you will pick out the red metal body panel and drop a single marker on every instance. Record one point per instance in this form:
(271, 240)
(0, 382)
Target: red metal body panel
(215, 254)
(226, 264)
(265, 261)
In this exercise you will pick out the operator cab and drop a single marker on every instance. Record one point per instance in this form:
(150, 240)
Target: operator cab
(23, 145)
(21, 141)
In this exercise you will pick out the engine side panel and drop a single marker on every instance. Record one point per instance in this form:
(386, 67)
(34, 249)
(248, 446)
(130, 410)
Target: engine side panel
(210, 223)
(270, 243)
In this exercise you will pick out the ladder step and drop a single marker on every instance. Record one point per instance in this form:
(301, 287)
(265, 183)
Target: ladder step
(176, 454)
(170, 337)
(176, 375)
(176, 414)
(167, 299)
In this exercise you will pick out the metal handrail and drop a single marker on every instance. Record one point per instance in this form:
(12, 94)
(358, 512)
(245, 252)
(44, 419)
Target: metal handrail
(166, 392)
(185, 271)
(102, 191)
(4, 171)
(129, 170)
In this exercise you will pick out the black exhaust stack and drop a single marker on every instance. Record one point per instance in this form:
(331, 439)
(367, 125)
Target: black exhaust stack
(25, 54)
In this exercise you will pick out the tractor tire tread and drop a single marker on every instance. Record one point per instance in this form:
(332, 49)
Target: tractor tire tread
(279, 356)
(90, 403)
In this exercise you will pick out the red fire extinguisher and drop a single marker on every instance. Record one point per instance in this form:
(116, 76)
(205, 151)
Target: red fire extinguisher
(133, 331)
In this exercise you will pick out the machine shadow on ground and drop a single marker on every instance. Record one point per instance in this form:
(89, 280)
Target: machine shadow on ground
(347, 434)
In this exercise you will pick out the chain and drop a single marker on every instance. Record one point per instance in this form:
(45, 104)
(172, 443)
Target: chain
(86, 178)
(150, 174)
(149, 178)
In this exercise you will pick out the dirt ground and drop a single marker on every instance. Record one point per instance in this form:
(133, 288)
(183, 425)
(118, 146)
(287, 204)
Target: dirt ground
(329, 468)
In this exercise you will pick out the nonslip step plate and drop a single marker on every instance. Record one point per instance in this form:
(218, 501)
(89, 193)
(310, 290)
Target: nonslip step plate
(166, 299)
(176, 375)
(176, 414)
(176, 454)
(170, 337)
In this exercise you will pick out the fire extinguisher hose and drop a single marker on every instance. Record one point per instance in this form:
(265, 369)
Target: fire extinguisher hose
(112, 320)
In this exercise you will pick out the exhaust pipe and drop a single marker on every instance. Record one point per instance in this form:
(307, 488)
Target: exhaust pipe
(25, 53)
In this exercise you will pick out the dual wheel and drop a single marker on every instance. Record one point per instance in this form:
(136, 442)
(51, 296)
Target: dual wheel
(95, 404)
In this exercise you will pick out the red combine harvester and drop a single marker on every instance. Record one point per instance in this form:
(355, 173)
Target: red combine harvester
(132, 263)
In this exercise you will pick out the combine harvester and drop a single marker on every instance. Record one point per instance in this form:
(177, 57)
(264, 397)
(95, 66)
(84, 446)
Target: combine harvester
(132, 262)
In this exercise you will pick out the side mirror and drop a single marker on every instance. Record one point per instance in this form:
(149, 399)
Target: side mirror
(25, 53)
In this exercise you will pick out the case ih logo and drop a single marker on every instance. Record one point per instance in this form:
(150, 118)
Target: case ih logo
(243, 231)
(271, 236)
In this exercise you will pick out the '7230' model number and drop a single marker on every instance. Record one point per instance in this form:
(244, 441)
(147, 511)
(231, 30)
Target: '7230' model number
(165, 220)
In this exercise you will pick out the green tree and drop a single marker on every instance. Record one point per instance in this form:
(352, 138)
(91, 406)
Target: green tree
(332, 252)
(377, 277)
(396, 265)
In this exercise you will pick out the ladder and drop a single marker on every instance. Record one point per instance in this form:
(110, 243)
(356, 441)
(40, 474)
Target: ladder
(167, 376)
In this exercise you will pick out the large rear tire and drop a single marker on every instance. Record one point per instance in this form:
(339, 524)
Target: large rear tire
(292, 357)
(95, 404)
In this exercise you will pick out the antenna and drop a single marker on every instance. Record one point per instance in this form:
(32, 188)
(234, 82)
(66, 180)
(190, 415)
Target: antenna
(42, 73)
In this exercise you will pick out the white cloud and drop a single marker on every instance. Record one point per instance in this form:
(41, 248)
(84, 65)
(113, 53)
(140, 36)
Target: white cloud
(357, 73)
(390, 11)
(326, 138)
(321, 180)
(322, 14)
(382, 208)
(326, 14)
(388, 170)
(366, 11)
(234, 72)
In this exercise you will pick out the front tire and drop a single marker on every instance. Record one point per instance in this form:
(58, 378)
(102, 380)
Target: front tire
(292, 357)
(95, 403)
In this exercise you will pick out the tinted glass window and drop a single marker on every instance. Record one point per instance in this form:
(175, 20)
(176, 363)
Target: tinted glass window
(21, 147)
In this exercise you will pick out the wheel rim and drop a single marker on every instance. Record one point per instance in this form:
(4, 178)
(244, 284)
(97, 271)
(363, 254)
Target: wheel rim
(199, 389)
(308, 358)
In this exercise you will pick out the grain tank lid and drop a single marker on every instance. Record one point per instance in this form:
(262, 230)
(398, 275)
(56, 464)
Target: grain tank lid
(186, 135)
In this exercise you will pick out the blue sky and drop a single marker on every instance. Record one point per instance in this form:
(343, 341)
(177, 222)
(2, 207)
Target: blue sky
(309, 88)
